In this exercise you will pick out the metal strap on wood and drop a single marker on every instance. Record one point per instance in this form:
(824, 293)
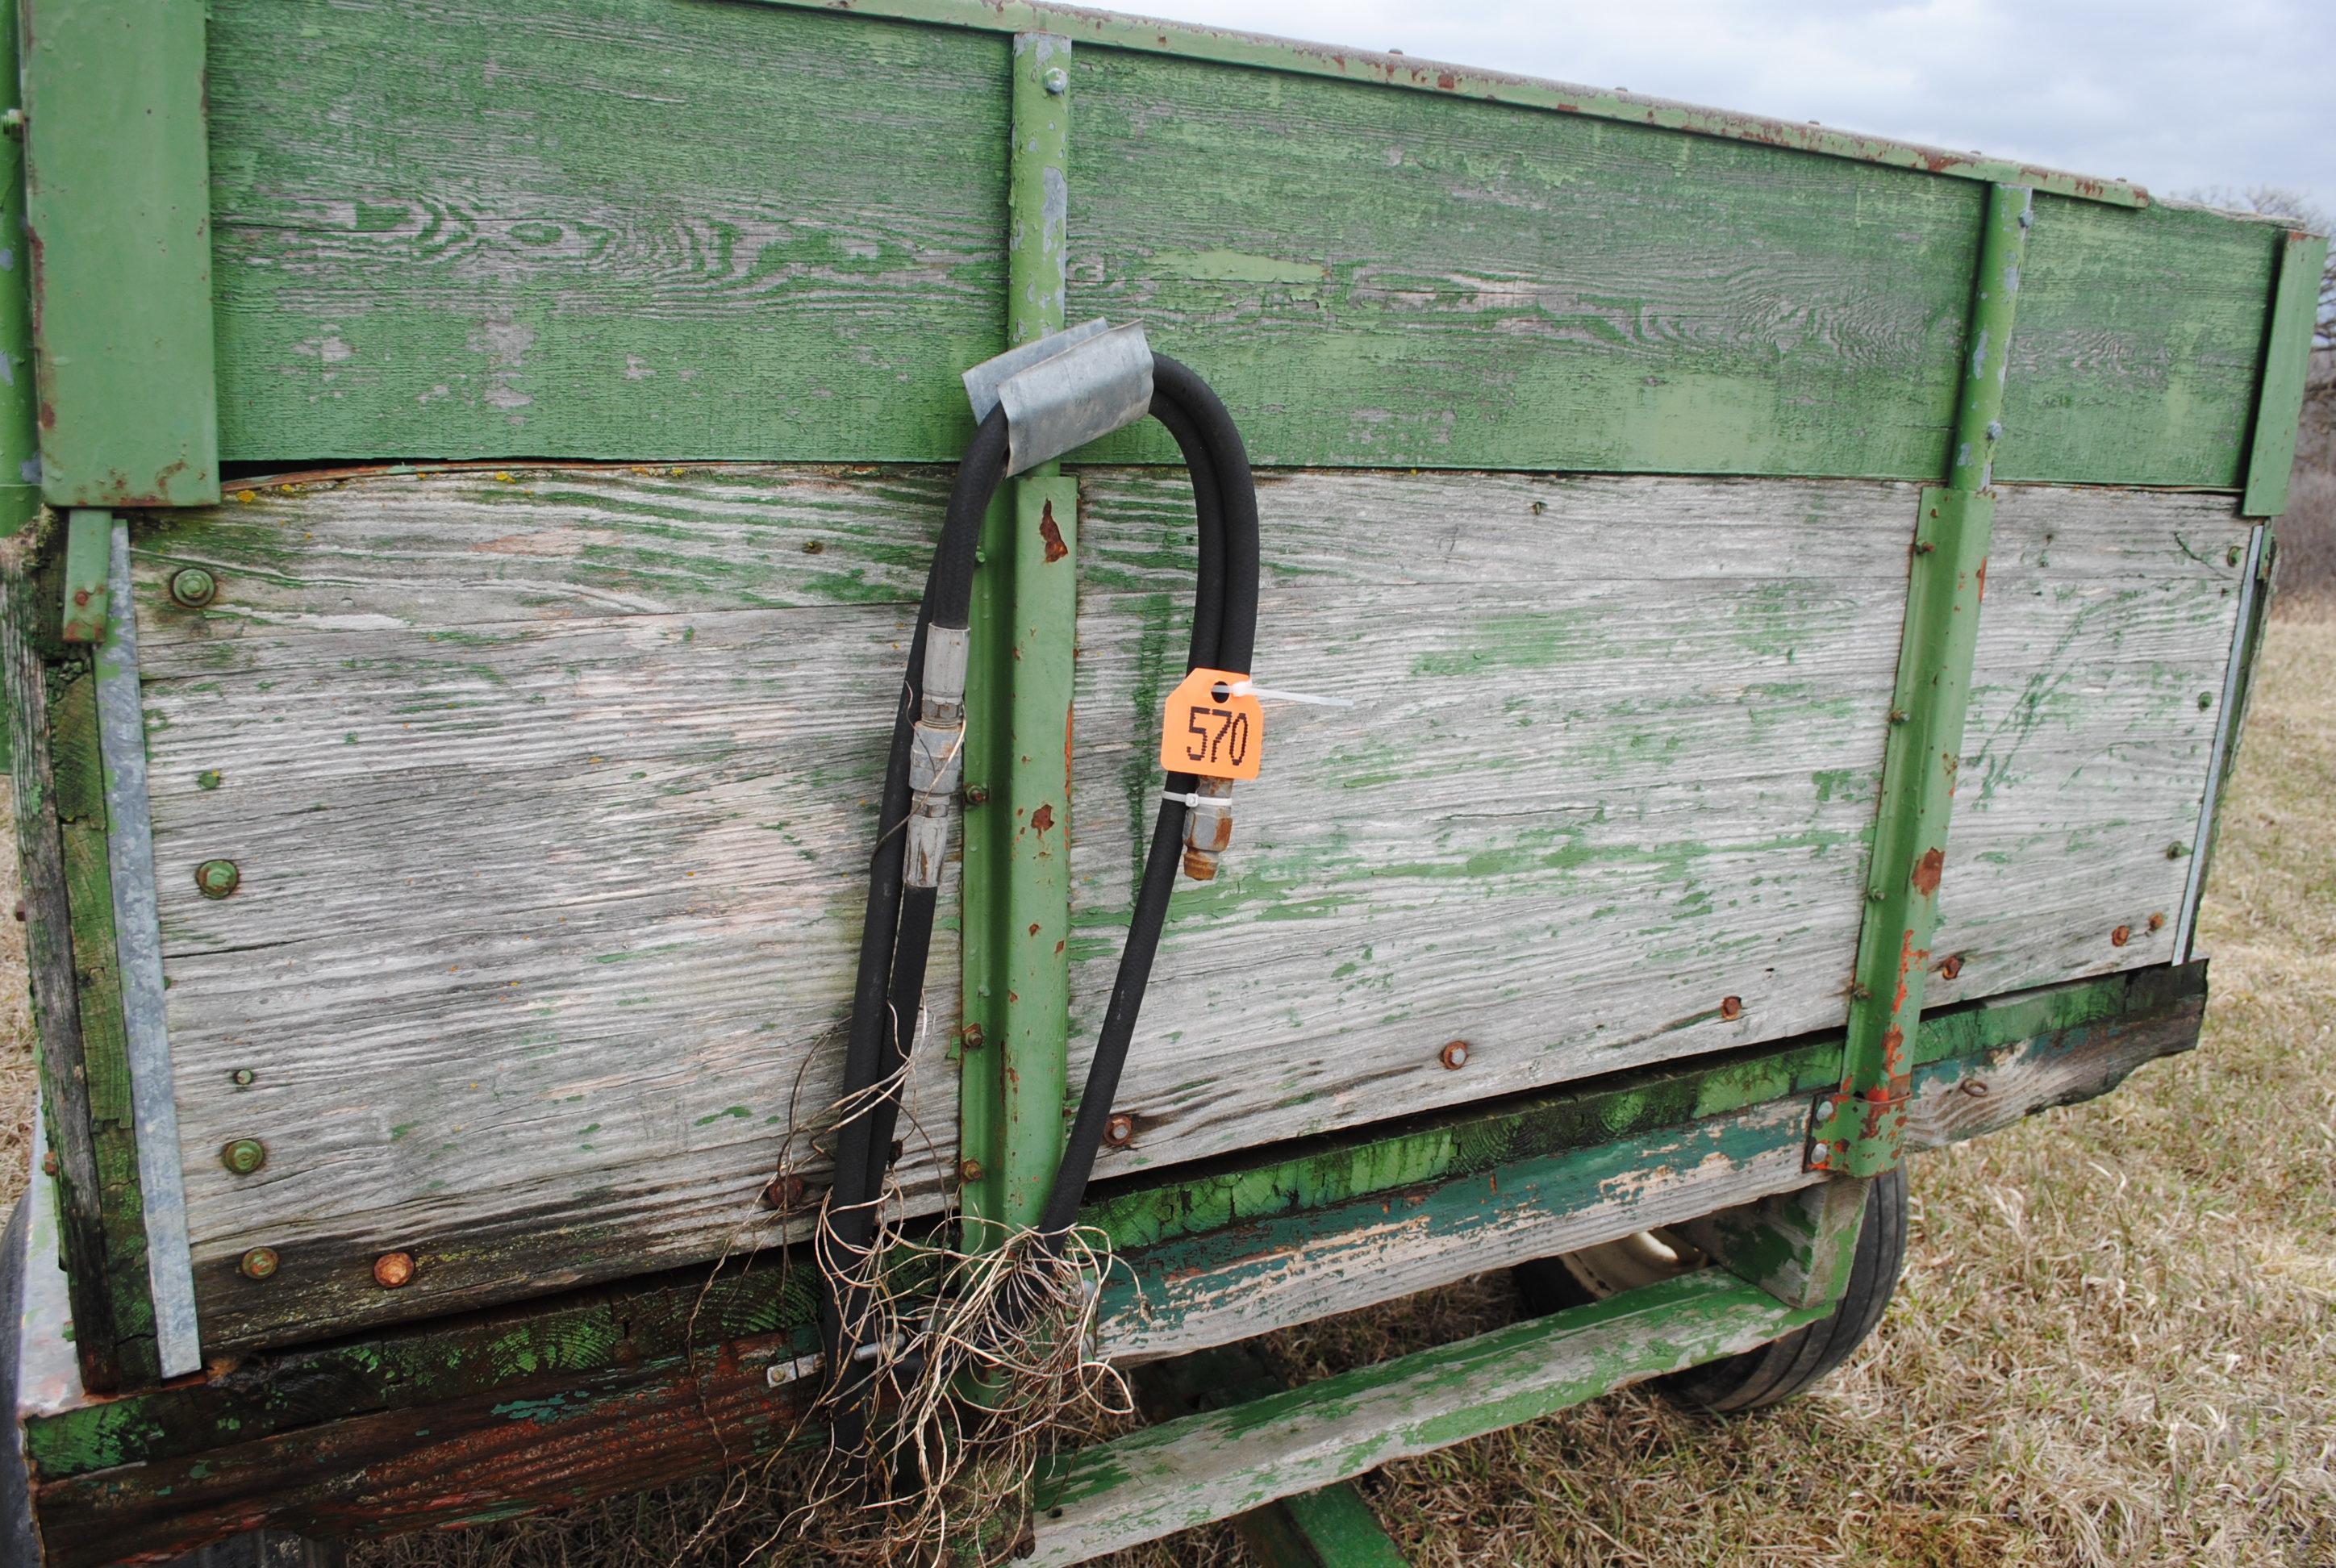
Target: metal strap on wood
(1857, 1130)
(1017, 870)
(2287, 360)
(137, 940)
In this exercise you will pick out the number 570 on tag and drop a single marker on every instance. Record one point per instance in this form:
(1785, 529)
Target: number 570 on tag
(1210, 732)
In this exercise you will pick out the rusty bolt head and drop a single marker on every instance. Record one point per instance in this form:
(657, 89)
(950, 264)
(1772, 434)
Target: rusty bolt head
(1731, 1008)
(243, 1155)
(977, 794)
(49, 1162)
(1923, 547)
(1199, 865)
(1119, 1131)
(2119, 937)
(784, 1193)
(243, 1077)
(1057, 81)
(216, 878)
(970, 1036)
(1860, 993)
(1898, 715)
(2157, 922)
(968, 1171)
(193, 586)
(394, 1270)
(1455, 1055)
(258, 1263)
(1952, 966)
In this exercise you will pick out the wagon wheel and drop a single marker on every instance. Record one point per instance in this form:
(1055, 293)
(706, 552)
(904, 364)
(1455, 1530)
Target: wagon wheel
(1775, 1371)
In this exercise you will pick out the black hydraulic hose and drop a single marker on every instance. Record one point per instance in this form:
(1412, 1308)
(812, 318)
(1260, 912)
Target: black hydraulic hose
(896, 940)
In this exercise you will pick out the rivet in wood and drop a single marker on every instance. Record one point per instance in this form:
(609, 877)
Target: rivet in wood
(1057, 80)
(1952, 966)
(814, 547)
(242, 1077)
(1119, 1131)
(193, 586)
(2177, 849)
(2157, 922)
(258, 1263)
(2119, 937)
(216, 878)
(1731, 1008)
(784, 1193)
(243, 1155)
(394, 1270)
(2205, 700)
(48, 1161)
(1975, 1087)
(2232, 556)
(1455, 1055)
(969, 1170)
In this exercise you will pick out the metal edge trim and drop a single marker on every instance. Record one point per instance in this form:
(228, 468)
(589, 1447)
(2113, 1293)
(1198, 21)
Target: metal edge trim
(2194, 889)
(138, 940)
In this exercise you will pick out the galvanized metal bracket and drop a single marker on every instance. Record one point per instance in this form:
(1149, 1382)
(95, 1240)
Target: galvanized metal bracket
(1064, 390)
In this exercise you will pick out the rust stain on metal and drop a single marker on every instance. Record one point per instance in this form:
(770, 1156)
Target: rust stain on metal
(1055, 549)
(1043, 818)
(1927, 871)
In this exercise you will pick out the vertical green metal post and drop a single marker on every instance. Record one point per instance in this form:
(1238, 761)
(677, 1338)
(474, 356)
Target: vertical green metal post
(20, 442)
(1026, 824)
(2287, 362)
(117, 190)
(1856, 1131)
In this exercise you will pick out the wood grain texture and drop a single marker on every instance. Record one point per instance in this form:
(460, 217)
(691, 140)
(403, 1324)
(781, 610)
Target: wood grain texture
(2107, 617)
(1613, 761)
(455, 228)
(475, 228)
(550, 869)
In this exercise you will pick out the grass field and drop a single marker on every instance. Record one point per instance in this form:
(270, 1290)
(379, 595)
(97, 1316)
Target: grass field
(2115, 1342)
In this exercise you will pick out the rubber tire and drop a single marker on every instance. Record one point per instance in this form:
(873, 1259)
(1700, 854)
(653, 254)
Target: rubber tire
(1783, 1367)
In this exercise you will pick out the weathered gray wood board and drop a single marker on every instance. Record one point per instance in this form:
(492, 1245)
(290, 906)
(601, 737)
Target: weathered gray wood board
(1613, 761)
(2103, 641)
(550, 794)
(1393, 1246)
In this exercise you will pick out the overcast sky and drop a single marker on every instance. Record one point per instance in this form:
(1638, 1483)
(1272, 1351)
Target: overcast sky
(2176, 94)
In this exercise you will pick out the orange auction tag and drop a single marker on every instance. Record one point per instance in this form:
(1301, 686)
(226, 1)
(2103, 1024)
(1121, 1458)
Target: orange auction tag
(1211, 734)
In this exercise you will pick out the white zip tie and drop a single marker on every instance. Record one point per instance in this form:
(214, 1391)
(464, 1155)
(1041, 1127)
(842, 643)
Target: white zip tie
(1263, 694)
(1221, 803)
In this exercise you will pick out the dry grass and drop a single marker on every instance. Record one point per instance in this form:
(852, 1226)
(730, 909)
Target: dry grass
(2115, 1341)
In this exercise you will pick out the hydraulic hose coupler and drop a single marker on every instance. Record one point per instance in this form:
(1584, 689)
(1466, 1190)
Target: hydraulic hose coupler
(936, 756)
(1208, 828)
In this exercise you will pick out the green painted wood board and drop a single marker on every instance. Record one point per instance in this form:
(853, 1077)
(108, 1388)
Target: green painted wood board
(117, 188)
(506, 249)
(20, 442)
(2287, 359)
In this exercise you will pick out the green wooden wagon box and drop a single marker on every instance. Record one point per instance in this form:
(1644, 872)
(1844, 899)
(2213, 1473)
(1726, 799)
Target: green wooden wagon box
(472, 467)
